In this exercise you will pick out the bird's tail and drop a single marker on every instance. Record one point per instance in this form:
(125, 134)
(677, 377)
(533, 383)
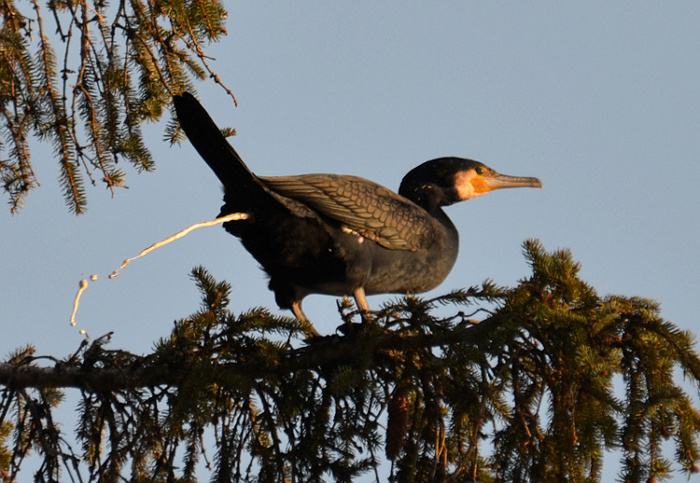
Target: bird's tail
(207, 139)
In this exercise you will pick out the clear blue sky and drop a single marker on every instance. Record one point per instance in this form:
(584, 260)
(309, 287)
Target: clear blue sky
(600, 100)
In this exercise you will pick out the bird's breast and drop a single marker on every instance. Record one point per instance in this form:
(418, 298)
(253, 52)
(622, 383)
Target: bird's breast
(382, 270)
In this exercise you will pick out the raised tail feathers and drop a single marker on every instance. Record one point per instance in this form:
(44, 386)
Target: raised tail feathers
(207, 139)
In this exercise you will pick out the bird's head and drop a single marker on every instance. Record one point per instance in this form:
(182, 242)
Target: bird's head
(443, 181)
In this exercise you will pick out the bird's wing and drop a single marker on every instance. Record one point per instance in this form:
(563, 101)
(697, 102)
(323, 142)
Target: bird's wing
(367, 208)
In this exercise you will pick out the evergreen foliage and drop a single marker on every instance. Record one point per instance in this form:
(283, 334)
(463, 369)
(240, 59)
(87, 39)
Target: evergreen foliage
(119, 66)
(552, 378)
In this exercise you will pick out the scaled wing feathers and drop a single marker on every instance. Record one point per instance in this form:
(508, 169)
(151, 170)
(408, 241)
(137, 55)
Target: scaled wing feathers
(367, 208)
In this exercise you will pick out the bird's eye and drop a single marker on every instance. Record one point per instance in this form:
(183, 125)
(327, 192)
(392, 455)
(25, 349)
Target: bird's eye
(479, 170)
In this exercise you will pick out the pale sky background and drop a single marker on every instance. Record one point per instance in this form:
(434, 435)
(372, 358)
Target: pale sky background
(600, 100)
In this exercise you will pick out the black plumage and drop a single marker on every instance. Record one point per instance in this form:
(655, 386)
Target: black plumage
(338, 234)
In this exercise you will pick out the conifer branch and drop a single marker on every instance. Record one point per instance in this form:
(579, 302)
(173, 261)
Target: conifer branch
(128, 61)
(533, 382)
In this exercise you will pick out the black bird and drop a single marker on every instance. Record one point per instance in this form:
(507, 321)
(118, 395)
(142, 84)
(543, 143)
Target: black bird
(342, 235)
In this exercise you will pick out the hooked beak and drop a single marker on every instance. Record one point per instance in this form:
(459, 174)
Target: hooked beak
(484, 184)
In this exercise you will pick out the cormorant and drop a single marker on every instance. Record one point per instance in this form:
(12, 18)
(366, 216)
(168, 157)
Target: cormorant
(337, 234)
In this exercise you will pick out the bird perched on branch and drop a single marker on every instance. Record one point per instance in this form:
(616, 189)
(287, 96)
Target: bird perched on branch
(337, 234)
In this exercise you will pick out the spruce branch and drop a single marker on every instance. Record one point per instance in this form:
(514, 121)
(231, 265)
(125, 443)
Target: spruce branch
(525, 394)
(119, 68)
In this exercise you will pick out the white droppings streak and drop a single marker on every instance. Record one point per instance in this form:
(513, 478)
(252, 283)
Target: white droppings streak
(83, 285)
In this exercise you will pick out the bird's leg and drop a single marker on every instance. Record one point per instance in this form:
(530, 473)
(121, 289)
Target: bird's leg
(361, 302)
(349, 327)
(299, 314)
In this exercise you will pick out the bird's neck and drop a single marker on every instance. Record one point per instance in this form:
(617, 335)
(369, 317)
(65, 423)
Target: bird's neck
(439, 214)
(431, 200)
(435, 210)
